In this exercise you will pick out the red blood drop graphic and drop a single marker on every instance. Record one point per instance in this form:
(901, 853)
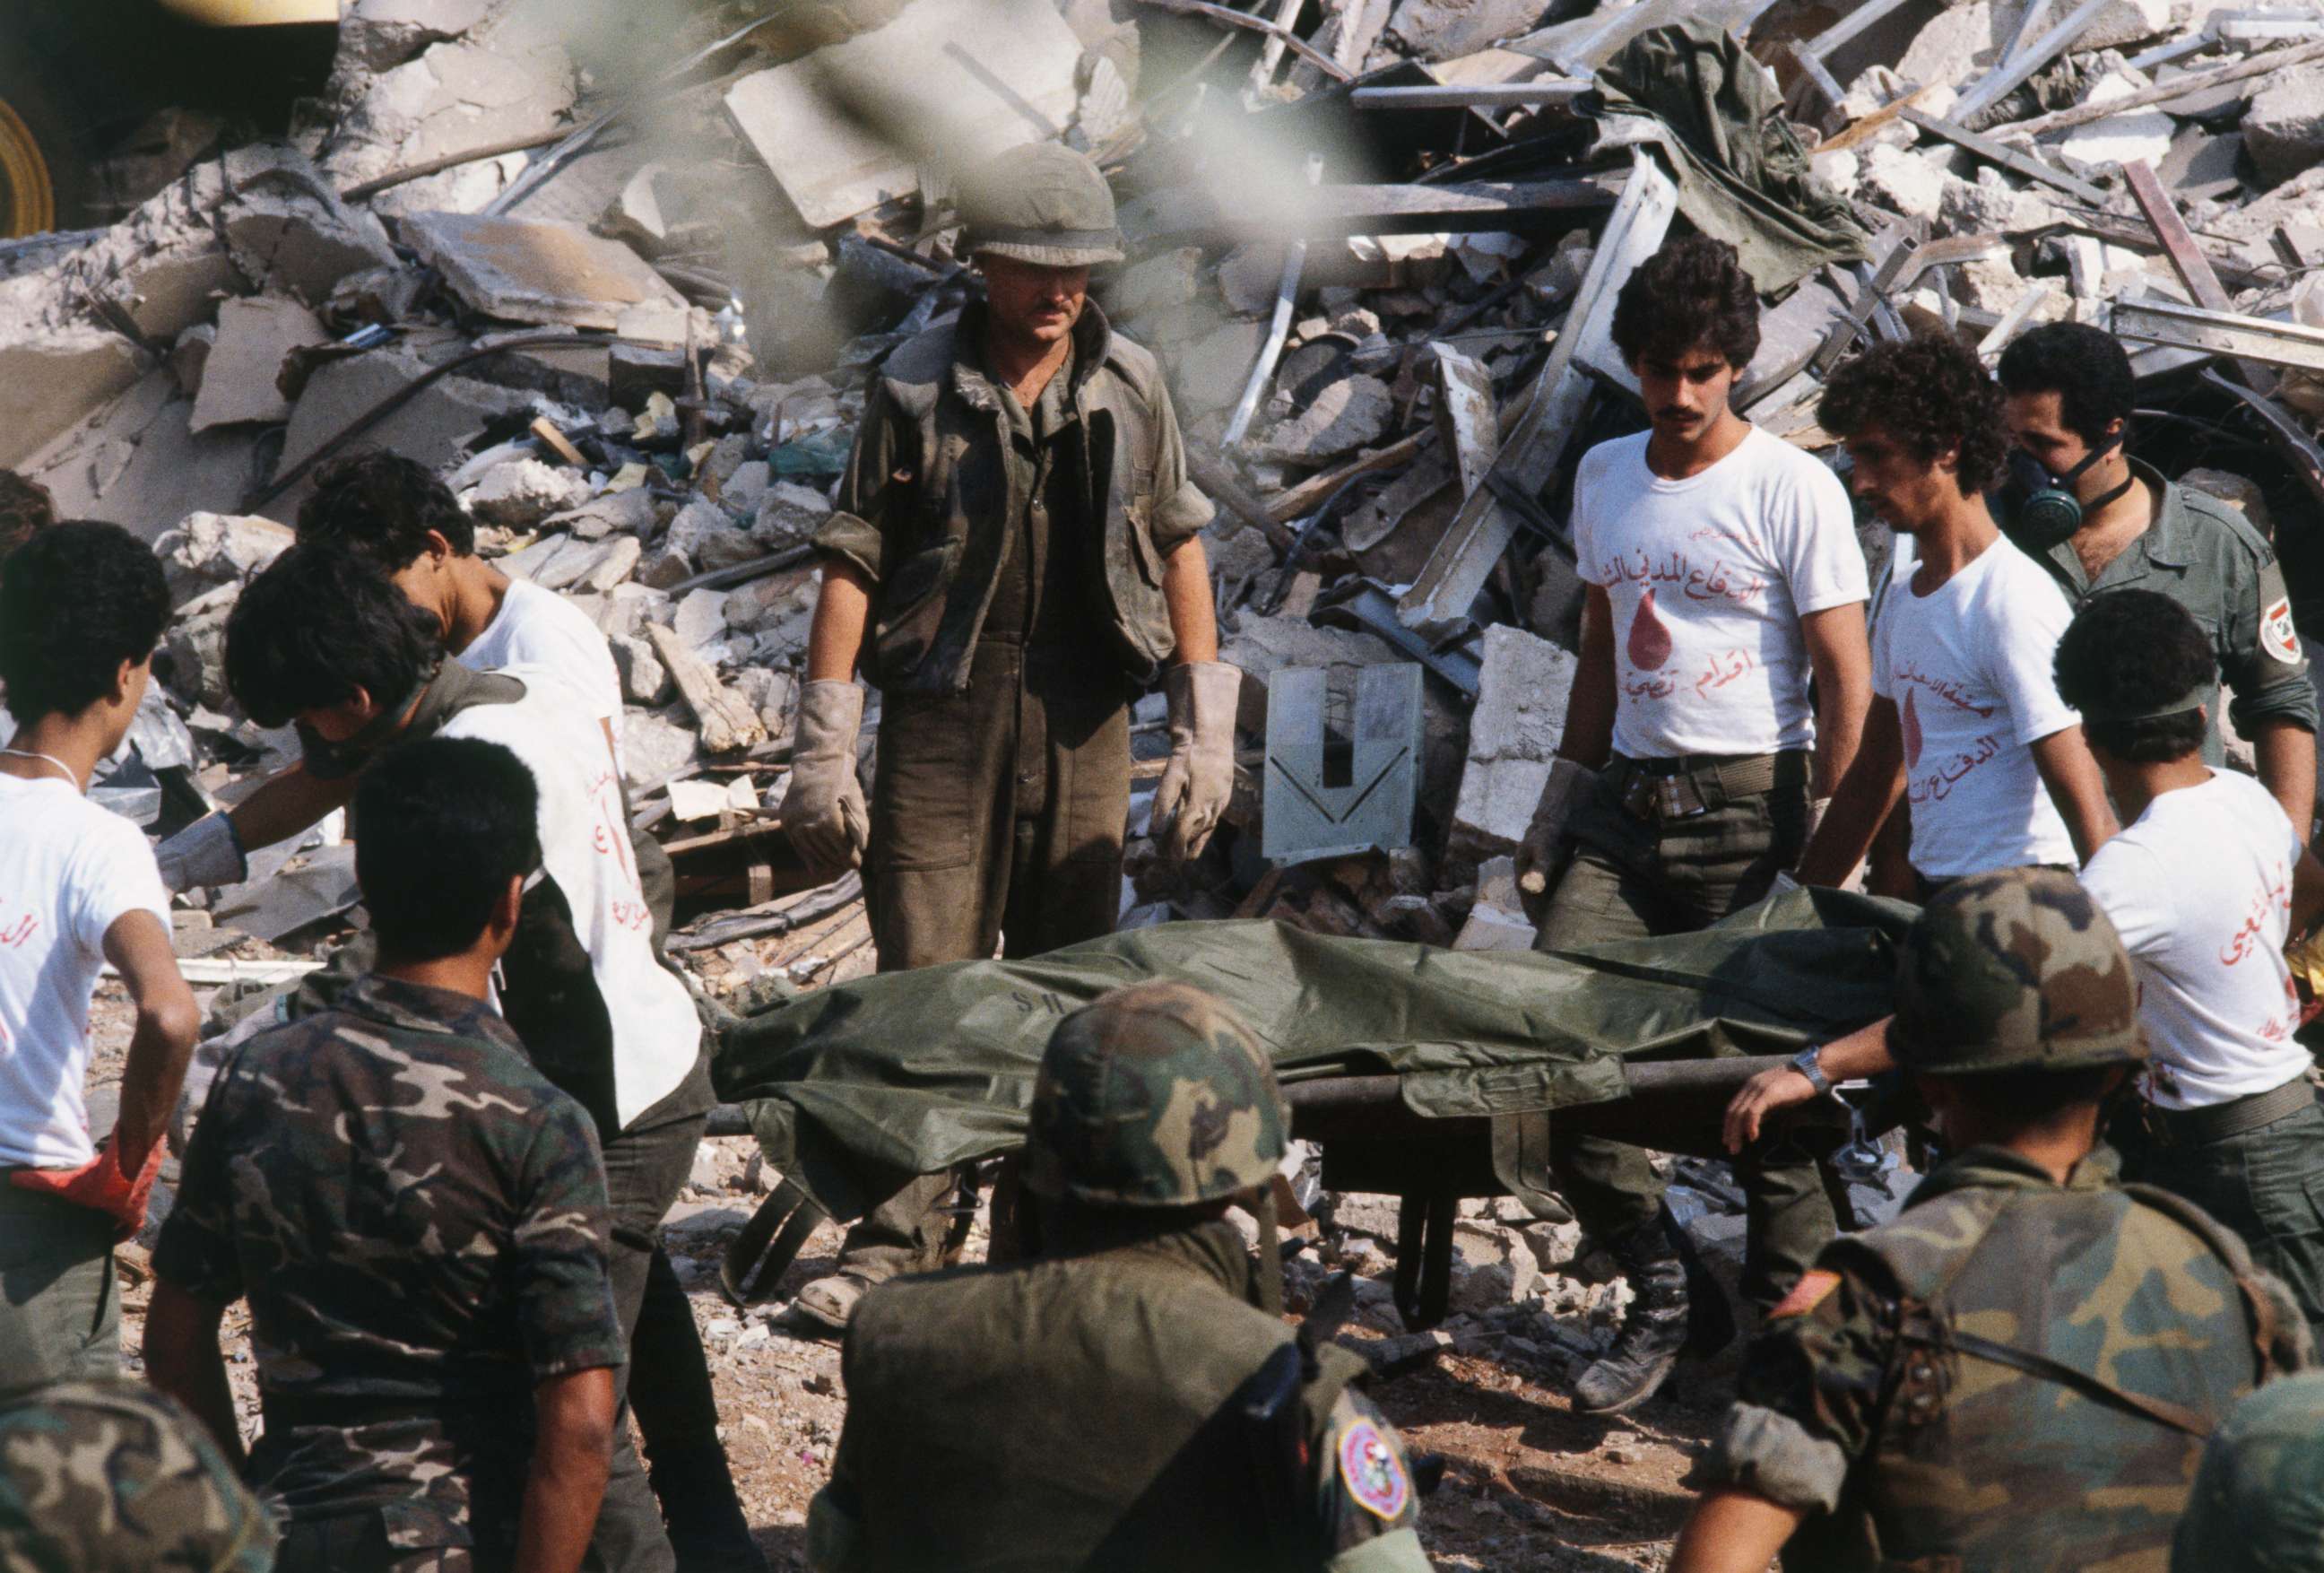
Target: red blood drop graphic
(1911, 731)
(1650, 642)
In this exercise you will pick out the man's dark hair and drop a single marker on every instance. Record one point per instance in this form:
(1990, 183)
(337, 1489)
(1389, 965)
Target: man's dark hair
(382, 505)
(442, 827)
(2087, 369)
(318, 624)
(2132, 651)
(25, 508)
(76, 600)
(1691, 293)
(1930, 395)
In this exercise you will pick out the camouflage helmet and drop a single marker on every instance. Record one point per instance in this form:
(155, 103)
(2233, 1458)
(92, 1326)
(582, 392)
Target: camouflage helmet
(2258, 1502)
(1040, 203)
(1153, 1097)
(108, 1477)
(2015, 970)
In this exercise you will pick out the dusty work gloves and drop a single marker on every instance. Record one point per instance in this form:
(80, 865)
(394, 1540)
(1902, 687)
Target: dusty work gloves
(1542, 856)
(1200, 777)
(824, 810)
(205, 853)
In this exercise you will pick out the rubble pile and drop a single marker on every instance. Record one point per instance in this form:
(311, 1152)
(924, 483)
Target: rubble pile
(629, 312)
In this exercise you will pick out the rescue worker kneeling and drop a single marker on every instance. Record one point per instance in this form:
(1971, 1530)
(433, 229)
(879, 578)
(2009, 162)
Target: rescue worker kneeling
(2019, 1371)
(1124, 1403)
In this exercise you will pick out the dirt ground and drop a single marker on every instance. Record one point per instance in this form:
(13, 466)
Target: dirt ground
(1528, 1486)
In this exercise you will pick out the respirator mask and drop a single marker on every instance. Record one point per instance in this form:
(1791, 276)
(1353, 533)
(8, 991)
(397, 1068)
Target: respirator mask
(2039, 508)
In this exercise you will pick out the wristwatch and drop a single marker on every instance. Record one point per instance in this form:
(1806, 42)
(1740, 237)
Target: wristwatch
(1804, 1062)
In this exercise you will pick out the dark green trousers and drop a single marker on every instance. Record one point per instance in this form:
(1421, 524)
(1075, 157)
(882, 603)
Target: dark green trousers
(997, 821)
(2267, 1185)
(1632, 878)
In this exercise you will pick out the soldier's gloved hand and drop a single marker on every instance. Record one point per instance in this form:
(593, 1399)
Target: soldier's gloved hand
(1200, 777)
(207, 852)
(101, 1186)
(1542, 856)
(824, 810)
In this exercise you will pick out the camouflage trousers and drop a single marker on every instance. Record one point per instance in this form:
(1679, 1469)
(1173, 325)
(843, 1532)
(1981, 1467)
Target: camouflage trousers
(997, 819)
(1633, 878)
(59, 1312)
(2267, 1185)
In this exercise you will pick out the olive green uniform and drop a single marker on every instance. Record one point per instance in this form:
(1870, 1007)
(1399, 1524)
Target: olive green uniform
(1083, 1412)
(2210, 560)
(1881, 1395)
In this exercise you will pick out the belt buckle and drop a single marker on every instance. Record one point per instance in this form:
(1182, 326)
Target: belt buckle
(1676, 797)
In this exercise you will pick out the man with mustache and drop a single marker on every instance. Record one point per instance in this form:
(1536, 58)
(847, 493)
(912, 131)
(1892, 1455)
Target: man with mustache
(1724, 574)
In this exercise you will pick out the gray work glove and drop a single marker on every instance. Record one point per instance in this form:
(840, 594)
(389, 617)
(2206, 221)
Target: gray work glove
(1200, 777)
(823, 809)
(1542, 855)
(206, 852)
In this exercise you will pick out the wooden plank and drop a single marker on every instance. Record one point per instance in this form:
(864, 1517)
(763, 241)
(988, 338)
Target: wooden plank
(1230, 18)
(1298, 502)
(2009, 157)
(2187, 258)
(729, 725)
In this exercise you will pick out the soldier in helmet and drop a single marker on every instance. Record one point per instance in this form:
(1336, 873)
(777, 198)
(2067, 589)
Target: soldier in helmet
(2018, 1372)
(2258, 1502)
(1126, 1401)
(110, 1476)
(1016, 553)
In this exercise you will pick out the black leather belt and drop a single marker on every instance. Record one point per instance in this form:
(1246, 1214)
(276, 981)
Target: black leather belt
(2217, 1122)
(1687, 784)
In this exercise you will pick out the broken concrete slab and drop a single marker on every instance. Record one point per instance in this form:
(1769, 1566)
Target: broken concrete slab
(242, 374)
(1523, 689)
(429, 428)
(166, 295)
(567, 562)
(1346, 415)
(381, 34)
(2283, 128)
(1446, 30)
(287, 228)
(136, 462)
(729, 722)
(654, 750)
(839, 137)
(644, 680)
(788, 515)
(522, 271)
(627, 512)
(209, 550)
(522, 493)
(1497, 920)
(2141, 136)
(48, 381)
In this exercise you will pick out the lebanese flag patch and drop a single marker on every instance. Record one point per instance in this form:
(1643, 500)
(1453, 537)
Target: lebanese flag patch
(2277, 636)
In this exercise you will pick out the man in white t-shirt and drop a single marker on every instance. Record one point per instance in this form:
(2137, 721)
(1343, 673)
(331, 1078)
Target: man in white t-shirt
(1966, 723)
(81, 605)
(1723, 575)
(322, 639)
(396, 515)
(2205, 884)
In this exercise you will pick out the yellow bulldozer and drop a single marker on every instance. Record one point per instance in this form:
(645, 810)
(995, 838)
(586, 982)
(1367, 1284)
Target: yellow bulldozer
(77, 75)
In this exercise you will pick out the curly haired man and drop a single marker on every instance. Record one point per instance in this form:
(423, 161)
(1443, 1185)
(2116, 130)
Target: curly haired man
(1966, 724)
(1723, 574)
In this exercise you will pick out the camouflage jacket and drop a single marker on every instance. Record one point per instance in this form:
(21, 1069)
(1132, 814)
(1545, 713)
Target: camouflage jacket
(1084, 1412)
(932, 503)
(1859, 1400)
(115, 1477)
(2258, 1502)
(417, 1219)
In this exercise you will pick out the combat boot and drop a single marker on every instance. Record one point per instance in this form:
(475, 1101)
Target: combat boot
(1676, 1308)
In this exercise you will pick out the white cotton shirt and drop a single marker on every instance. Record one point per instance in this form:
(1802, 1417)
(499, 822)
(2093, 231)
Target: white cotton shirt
(69, 871)
(585, 844)
(1708, 579)
(537, 627)
(1968, 668)
(2200, 887)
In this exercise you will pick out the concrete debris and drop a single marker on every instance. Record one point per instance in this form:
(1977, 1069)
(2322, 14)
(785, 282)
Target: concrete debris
(1513, 735)
(2283, 129)
(241, 373)
(521, 493)
(210, 549)
(522, 271)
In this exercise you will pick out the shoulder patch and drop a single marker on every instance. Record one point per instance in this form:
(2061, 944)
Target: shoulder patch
(1373, 1471)
(1807, 1294)
(2277, 636)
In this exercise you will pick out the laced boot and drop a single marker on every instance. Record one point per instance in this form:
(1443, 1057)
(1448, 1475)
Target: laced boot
(1664, 1320)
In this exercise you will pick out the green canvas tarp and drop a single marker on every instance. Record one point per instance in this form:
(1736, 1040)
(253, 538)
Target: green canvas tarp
(859, 1085)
